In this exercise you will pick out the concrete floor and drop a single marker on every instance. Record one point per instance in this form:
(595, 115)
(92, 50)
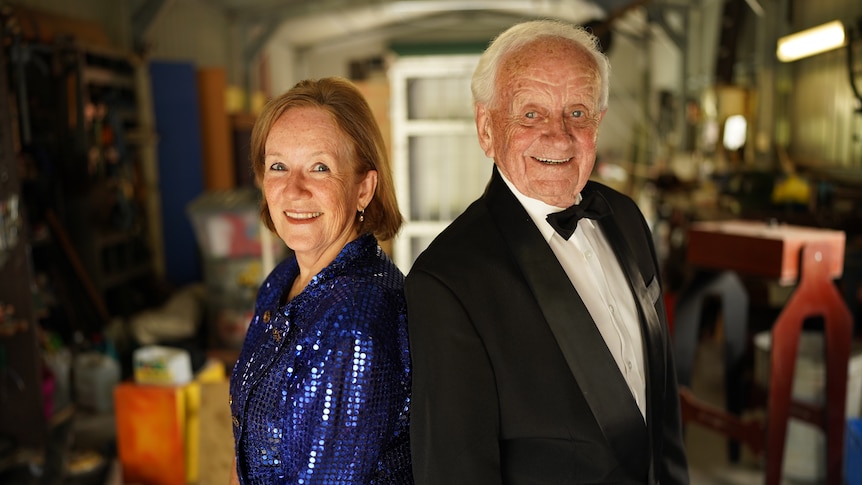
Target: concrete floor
(707, 450)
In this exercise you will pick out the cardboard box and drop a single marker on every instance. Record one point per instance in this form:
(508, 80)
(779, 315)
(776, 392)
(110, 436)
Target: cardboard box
(161, 429)
(216, 449)
(151, 433)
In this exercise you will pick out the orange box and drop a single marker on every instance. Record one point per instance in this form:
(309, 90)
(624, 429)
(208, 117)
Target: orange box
(159, 429)
(151, 434)
(760, 249)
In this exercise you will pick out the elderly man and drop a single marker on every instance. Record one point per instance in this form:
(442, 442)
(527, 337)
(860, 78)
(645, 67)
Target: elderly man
(538, 334)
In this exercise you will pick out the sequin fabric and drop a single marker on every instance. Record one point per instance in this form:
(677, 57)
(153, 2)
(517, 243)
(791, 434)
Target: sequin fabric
(320, 393)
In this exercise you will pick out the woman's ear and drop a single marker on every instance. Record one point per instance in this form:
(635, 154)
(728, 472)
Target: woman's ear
(483, 128)
(367, 186)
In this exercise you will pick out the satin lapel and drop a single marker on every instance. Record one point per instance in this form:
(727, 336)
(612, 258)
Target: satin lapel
(651, 326)
(581, 343)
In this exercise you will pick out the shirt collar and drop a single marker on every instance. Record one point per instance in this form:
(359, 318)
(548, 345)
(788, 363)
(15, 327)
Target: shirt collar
(537, 209)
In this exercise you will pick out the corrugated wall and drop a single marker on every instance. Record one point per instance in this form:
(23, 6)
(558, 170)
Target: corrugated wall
(824, 129)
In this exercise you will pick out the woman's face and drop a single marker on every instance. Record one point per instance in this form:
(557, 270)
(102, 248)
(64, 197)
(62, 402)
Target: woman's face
(310, 185)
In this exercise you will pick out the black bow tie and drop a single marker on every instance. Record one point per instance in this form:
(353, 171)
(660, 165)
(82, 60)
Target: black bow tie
(592, 206)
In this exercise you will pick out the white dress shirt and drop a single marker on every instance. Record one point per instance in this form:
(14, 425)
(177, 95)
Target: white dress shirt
(595, 272)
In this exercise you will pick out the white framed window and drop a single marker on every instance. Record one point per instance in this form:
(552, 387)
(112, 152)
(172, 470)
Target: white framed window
(438, 166)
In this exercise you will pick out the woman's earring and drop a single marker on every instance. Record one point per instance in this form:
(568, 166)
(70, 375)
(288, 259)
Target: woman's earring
(361, 215)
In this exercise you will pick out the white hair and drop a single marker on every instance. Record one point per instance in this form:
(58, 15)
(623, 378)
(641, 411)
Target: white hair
(519, 35)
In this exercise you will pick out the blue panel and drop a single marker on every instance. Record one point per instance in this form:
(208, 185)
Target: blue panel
(180, 153)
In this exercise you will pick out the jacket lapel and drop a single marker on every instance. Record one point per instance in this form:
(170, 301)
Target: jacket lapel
(651, 325)
(579, 340)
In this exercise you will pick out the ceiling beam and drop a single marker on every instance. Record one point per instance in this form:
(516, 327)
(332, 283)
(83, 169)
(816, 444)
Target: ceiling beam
(142, 18)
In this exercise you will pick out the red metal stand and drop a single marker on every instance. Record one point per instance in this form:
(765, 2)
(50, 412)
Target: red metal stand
(814, 297)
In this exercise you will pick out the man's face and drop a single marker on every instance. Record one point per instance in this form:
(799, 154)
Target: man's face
(541, 126)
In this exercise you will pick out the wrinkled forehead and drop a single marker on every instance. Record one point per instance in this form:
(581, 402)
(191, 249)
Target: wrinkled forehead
(557, 60)
(558, 48)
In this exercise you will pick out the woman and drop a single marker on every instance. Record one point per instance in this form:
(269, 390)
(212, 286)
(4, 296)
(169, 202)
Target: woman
(321, 390)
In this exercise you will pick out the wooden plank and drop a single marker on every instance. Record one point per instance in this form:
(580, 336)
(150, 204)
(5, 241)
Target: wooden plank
(216, 434)
(759, 249)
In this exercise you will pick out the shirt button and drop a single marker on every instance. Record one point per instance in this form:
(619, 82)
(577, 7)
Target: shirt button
(588, 254)
(266, 316)
(629, 365)
(611, 309)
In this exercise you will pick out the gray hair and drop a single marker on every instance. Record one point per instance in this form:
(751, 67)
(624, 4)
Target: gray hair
(519, 35)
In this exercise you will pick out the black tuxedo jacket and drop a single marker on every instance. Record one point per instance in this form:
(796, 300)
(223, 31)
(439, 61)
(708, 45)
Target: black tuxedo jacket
(512, 381)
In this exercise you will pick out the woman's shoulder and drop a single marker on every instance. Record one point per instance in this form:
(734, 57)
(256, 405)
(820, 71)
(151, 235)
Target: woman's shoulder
(367, 297)
(368, 289)
(370, 267)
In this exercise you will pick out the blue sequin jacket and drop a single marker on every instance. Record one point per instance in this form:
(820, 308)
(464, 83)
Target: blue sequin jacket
(320, 393)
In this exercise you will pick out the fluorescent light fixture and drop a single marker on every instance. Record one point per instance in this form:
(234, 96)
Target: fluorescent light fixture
(812, 41)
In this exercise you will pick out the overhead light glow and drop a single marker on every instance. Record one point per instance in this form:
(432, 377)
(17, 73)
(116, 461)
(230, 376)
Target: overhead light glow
(811, 41)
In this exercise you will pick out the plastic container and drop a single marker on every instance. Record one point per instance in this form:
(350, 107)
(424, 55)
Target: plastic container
(853, 456)
(95, 375)
(237, 252)
(227, 223)
(60, 364)
(166, 366)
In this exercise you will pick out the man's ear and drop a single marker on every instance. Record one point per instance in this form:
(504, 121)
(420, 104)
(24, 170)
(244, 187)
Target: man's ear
(483, 128)
(601, 117)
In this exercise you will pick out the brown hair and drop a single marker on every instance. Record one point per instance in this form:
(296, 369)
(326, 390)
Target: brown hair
(351, 113)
